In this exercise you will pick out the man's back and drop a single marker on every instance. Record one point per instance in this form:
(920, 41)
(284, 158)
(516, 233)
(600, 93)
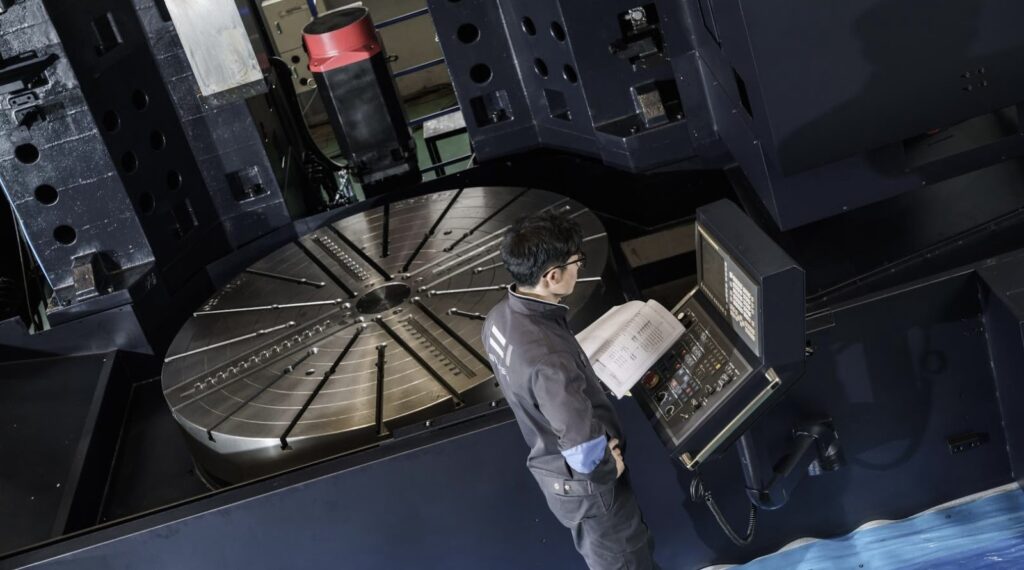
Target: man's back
(547, 381)
(557, 399)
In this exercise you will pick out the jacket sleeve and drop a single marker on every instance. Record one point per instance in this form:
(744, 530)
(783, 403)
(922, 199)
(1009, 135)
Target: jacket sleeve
(558, 384)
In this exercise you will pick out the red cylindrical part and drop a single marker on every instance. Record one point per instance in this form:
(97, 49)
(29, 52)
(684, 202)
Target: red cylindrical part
(340, 38)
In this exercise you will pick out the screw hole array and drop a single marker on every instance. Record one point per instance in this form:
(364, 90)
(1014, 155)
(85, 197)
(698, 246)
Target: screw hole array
(539, 65)
(130, 162)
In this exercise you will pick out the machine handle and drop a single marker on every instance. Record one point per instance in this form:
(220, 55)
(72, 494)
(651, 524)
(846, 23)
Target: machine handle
(683, 301)
(691, 462)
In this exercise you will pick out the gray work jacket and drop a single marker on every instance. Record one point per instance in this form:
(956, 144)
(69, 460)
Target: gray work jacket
(549, 384)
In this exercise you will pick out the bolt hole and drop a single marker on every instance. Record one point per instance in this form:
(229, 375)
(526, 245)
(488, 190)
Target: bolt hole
(147, 203)
(540, 67)
(65, 235)
(468, 33)
(480, 73)
(157, 140)
(111, 122)
(140, 100)
(528, 27)
(173, 180)
(570, 74)
(129, 162)
(557, 31)
(46, 194)
(26, 153)
(296, 59)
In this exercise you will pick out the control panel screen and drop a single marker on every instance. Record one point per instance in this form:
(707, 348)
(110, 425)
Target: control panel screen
(733, 293)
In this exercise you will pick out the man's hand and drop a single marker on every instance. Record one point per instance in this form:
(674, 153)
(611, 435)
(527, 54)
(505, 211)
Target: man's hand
(620, 466)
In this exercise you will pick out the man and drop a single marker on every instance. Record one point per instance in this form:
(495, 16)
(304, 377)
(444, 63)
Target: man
(566, 419)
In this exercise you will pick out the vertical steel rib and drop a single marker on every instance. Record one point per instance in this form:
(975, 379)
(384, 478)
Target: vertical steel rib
(420, 360)
(431, 231)
(319, 386)
(327, 270)
(387, 222)
(466, 314)
(379, 409)
(487, 219)
(369, 260)
(436, 345)
(296, 280)
(451, 332)
(289, 368)
(260, 332)
(560, 205)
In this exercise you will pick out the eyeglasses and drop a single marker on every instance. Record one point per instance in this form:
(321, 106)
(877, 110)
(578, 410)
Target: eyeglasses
(581, 260)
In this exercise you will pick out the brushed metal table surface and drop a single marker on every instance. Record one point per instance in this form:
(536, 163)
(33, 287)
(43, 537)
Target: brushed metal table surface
(280, 367)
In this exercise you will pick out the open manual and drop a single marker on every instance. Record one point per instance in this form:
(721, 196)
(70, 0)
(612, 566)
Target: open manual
(628, 340)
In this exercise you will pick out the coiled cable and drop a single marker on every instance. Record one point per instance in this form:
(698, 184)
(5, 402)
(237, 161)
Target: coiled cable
(699, 492)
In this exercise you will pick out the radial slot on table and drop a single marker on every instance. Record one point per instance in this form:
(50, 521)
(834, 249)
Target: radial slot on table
(369, 324)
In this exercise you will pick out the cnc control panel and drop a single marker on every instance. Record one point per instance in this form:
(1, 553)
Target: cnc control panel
(742, 322)
(693, 377)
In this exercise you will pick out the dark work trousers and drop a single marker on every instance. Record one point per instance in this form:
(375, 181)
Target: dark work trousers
(605, 522)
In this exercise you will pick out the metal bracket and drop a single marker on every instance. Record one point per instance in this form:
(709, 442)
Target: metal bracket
(24, 71)
(92, 274)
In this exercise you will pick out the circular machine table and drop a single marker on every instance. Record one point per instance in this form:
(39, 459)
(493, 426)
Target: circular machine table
(280, 367)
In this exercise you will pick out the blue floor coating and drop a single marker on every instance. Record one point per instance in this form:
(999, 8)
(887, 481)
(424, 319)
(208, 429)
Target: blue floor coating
(984, 533)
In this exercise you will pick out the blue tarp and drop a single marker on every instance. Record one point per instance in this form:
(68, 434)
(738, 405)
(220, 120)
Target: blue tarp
(981, 534)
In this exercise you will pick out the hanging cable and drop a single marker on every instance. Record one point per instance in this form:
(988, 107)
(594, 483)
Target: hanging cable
(698, 492)
(284, 79)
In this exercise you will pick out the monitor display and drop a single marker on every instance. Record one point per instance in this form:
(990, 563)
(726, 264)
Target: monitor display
(712, 274)
(727, 286)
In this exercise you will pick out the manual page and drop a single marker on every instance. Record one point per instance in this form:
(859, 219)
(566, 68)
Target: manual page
(627, 340)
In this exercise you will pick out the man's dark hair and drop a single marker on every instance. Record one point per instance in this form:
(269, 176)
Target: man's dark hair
(538, 242)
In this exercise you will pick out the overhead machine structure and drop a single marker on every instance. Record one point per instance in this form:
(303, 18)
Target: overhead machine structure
(291, 381)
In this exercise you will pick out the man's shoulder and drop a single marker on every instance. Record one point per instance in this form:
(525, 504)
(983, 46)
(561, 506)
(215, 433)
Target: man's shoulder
(532, 342)
(496, 316)
(509, 323)
(499, 308)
